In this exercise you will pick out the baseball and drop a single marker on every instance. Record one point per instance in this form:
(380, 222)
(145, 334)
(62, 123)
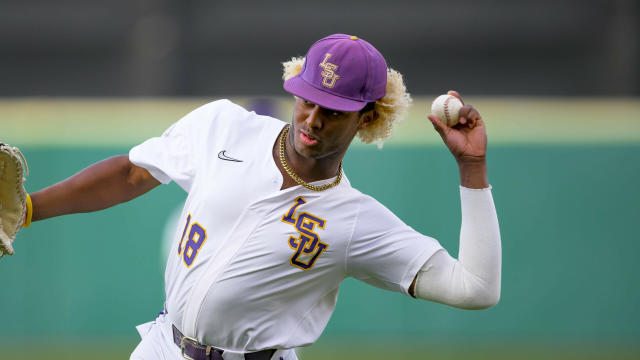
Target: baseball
(447, 109)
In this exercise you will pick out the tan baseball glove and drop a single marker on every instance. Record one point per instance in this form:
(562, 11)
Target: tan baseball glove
(13, 197)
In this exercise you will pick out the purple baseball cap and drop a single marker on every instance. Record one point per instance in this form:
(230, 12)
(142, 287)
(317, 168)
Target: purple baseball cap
(341, 72)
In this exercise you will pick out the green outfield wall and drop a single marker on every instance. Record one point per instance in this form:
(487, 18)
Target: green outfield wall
(565, 186)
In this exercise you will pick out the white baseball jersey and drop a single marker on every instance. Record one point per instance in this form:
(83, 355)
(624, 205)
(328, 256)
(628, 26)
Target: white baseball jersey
(255, 267)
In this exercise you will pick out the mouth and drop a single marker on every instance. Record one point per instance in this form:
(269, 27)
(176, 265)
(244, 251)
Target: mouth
(307, 139)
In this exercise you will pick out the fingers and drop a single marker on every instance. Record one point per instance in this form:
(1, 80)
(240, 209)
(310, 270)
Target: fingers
(438, 125)
(469, 116)
(456, 94)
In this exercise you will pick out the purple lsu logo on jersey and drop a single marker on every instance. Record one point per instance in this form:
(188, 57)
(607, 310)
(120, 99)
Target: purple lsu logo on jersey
(307, 245)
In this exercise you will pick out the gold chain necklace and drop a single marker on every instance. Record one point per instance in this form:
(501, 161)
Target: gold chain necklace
(295, 177)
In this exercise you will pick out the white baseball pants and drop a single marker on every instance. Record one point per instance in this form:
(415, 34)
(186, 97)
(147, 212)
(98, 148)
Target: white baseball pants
(157, 344)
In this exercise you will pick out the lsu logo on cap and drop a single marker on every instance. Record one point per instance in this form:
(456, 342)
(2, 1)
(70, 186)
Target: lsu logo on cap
(329, 77)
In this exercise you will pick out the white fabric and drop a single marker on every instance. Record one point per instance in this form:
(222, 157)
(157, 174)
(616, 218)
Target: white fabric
(157, 344)
(243, 292)
(473, 281)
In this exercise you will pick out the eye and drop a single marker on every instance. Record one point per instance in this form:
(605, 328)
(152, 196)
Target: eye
(333, 113)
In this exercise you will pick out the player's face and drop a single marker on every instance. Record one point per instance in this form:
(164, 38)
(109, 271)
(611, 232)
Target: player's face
(323, 133)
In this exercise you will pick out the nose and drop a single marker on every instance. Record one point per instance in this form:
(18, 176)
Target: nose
(314, 117)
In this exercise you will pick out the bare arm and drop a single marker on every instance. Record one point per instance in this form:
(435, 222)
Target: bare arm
(99, 186)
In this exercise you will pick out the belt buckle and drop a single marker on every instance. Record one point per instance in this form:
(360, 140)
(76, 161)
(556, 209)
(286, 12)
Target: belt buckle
(189, 340)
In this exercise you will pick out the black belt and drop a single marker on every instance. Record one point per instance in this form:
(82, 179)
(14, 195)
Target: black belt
(191, 349)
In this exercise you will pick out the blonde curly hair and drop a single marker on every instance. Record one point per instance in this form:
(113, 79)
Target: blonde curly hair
(390, 109)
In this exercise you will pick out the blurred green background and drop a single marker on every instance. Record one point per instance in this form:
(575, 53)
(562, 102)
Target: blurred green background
(87, 79)
(564, 171)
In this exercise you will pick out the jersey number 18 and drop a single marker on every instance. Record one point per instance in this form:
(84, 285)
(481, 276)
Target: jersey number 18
(196, 238)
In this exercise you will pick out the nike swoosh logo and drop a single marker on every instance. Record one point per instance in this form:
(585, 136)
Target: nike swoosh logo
(223, 156)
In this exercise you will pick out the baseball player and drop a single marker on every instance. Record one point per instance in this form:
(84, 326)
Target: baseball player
(271, 224)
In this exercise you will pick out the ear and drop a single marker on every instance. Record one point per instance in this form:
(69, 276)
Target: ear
(367, 118)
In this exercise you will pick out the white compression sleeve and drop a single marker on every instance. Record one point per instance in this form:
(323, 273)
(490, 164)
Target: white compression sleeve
(473, 281)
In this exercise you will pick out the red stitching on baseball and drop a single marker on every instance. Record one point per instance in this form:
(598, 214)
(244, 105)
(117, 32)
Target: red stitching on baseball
(446, 109)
